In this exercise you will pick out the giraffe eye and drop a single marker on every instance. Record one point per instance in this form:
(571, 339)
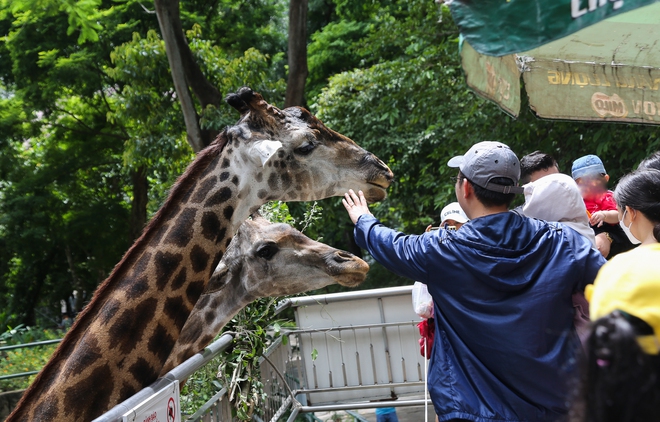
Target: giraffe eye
(305, 149)
(267, 251)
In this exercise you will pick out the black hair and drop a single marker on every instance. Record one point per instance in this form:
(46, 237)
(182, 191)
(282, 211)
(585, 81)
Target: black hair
(533, 162)
(491, 198)
(618, 381)
(650, 162)
(640, 190)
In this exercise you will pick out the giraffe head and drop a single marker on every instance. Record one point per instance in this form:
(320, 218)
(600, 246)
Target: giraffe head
(277, 260)
(262, 260)
(298, 157)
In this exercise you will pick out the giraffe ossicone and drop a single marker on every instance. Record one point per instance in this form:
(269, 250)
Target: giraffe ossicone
(121, 340)
(263, 260)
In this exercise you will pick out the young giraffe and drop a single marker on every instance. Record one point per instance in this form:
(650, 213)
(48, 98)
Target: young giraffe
(263, 260)
(121, 340)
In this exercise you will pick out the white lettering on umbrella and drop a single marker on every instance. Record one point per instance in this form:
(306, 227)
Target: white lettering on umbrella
(577, 11)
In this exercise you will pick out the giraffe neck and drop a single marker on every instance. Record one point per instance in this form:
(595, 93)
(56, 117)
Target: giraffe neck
(212, 312)
(121, 340)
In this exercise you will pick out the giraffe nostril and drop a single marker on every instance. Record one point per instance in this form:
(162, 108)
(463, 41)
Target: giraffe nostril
(342, 256)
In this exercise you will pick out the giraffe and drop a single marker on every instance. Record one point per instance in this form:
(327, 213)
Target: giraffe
(263, 260)
(120, 341)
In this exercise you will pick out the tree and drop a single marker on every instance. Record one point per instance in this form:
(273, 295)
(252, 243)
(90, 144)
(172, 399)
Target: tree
(295, 88)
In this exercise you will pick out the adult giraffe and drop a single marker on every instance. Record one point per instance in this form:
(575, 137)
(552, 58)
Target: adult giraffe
(121, 340)
(263, 260)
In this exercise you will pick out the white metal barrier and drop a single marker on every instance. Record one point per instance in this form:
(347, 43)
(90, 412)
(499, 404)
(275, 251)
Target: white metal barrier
(351, 350)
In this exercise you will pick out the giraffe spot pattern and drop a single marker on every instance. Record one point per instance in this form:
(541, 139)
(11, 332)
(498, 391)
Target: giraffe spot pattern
(221, 235)
(286, 181)
(129, 327)
(224, 176)
(262, 193)
(176, 310)
(203, 301)
(217, 258)
(126, 390)
(166, 263)
(85, 355)
(142, 264)
(209, 316)
(95, 394)
(158, 235)
(202, 192)
(46, 410)
(143, 372)
(219, 197)
(194, 290)
(199, 258)
(210, 225)
(210, 168)
(235, 180)
(109, 310)
(161, 343)
(182, 232)
(272, 181)
(228, 212)
(137, 288)
(179, 280)
(192, 332)
(259, 177)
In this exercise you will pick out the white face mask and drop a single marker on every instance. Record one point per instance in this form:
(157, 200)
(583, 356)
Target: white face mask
(627, 231)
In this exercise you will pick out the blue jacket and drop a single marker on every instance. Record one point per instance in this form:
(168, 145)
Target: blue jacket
(502, 285)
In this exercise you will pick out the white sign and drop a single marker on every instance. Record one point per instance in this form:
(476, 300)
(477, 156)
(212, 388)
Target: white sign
(161, 407)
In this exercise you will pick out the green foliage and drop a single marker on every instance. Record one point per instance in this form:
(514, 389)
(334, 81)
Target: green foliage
(239, 370)
(333, 49)
(25, 359)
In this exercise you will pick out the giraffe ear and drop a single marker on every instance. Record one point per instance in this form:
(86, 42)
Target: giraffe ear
(264, 150)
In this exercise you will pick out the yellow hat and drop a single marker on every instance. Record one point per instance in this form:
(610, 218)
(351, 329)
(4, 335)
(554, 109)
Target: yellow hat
(630, 282)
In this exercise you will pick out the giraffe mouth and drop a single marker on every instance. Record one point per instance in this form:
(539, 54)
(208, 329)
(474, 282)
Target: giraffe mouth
(375, 192)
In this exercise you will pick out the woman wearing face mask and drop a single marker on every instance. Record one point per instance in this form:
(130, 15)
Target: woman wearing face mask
(638, 201)
(620, 378)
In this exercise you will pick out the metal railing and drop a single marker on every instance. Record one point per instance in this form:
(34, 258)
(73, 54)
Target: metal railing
(25, 346)
(215, 410)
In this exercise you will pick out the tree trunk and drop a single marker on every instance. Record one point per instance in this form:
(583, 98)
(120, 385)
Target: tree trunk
(139, 204)
(295, 86)
(186, 73)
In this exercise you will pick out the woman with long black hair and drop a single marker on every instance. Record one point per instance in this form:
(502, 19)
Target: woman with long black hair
(620, 380)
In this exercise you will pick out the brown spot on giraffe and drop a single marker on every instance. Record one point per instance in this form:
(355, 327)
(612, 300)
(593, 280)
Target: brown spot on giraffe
(182, 233)
(128, 348)
(202, 192)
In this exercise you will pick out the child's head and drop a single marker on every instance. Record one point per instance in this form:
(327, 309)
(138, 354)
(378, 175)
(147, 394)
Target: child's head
(590, 175)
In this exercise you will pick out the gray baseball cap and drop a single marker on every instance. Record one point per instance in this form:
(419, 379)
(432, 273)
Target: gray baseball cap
(487, 160)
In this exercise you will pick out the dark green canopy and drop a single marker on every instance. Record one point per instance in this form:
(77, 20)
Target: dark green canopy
(609, 71)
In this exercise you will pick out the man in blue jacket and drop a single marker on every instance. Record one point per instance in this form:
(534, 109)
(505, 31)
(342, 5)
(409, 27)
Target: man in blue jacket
(502, 285)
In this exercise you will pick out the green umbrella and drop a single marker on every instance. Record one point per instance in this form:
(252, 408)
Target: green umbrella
(608, 71)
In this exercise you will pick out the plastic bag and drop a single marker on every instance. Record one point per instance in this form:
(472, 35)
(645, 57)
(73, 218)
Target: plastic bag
(422, 300)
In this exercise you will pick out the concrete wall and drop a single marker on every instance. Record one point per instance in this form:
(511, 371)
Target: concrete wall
(7, 402)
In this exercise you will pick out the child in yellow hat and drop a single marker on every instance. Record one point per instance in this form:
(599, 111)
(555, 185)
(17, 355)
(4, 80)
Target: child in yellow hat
(621, 381)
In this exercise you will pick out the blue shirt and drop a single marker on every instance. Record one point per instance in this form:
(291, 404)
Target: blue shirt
(502, 286)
